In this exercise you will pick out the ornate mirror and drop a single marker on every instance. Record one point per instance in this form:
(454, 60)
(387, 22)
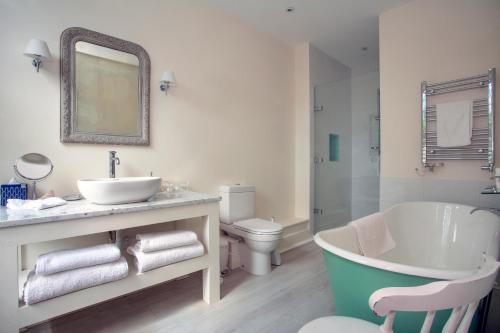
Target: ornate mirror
(104, 89)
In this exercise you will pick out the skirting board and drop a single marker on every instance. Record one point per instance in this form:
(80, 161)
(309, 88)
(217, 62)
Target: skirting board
(296, 233)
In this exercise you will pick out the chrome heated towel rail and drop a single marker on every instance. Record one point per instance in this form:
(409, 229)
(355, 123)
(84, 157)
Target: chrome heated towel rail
(483, 131)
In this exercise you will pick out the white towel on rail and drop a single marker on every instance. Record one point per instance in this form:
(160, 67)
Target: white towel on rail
(43, 287)
(64, 260)
(373, 234)
(165, 240)
(454, 124)
(146, 261)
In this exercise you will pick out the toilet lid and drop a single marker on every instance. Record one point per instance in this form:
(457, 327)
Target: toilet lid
(259, 226)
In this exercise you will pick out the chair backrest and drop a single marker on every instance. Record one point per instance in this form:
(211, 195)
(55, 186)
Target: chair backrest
(462, 295)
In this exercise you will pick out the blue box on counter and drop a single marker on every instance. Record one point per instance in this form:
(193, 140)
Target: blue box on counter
(13, 191)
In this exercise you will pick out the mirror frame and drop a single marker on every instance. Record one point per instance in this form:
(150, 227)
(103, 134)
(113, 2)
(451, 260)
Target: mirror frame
(68, 133)
(24, 177)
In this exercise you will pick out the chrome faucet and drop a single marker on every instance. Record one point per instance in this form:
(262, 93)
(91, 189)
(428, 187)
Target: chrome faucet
(492, 210)
(113, 162)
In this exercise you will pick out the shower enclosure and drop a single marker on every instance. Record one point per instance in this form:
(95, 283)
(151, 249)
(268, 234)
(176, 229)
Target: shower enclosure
(346, 150)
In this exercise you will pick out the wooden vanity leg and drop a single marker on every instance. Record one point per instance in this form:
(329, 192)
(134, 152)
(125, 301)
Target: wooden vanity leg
(9, 303)
(211, 275)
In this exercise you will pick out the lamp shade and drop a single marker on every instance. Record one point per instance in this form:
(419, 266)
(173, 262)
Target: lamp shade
(37, 48)
(168, 76)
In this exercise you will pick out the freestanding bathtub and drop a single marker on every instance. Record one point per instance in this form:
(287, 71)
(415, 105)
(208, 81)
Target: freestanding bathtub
(434, 241)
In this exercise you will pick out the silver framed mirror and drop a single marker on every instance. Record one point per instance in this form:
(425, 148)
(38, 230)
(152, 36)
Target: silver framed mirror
(105, 89)
(33, 167)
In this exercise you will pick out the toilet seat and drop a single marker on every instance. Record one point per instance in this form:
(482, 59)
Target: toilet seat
(231, 229)
(258, 227)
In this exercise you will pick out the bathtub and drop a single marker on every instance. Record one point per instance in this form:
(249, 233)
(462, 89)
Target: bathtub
(434, 241)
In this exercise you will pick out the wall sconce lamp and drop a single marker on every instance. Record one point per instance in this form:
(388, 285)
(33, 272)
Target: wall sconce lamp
(167, 81)
(39, 51)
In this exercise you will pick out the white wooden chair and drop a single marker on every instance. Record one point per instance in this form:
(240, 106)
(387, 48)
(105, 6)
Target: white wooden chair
(463, 296)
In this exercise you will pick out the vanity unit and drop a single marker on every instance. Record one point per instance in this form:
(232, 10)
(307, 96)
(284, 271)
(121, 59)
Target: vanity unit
(83, 218)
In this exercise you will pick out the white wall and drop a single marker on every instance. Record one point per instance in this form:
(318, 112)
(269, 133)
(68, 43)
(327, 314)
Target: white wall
(433, 41)
(229, 119)
(365, 161)
(302, 108)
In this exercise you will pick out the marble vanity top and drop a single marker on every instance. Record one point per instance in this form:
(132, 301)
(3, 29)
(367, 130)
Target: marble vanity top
(83, 209)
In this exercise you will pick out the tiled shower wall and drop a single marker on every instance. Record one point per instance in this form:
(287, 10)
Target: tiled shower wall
(468, 192)
(365, 134)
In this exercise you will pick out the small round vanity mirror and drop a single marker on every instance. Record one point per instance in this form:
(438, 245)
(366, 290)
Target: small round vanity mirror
(33, 167)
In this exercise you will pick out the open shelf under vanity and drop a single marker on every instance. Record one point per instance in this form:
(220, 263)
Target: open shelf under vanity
(199, 209)
(133, 282)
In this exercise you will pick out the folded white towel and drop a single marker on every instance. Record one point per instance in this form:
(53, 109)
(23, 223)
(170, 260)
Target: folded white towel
(35, 204)
(42, 287)
(64, 260)
(146, 261)
(165, 240)
(373, 234)
(454, 124)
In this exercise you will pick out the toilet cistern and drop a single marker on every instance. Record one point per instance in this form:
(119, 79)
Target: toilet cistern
(113, 162)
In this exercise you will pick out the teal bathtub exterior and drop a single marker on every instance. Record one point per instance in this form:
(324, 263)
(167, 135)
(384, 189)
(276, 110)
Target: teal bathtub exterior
(433, 241)
(352, 284)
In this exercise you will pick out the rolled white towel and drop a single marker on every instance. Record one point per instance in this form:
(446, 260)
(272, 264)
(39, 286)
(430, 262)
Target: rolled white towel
(43, 287)
(165, 240)
(64, 260)
(146, 261)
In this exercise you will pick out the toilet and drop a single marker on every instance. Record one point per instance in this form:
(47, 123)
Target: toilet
(260, 237)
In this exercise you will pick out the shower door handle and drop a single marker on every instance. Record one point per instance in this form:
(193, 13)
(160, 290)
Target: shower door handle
(317, 211)
(318, 159)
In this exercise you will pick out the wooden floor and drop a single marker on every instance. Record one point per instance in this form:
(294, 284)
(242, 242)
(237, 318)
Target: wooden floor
(281, 302)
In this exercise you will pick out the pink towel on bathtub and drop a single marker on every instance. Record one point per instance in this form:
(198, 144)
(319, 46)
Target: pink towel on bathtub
(373, 234)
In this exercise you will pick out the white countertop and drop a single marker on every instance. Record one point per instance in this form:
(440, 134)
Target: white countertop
(84, 209)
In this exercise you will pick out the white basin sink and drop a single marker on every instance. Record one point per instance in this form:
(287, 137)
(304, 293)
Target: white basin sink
(112, 191)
